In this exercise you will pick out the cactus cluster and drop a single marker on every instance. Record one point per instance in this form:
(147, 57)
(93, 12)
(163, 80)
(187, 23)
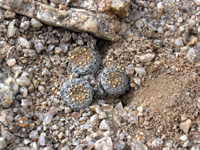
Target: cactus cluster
(78, 93)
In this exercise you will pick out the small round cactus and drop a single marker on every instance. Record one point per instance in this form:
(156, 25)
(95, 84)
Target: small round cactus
(114, 81)
(76, 93)
(84, 60)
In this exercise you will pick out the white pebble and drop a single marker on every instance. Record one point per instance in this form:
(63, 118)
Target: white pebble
(140, 71)
(35, 23)
(104, 144)
(11, 29)
(23, 81)
(24, 91)
(2, 143)
(11, 62)
(24, 42)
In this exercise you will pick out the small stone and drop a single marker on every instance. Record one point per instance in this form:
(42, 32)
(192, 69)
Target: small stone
(197, 2)
(41, 139)
(139, 24)
(60, 135)
(185, 126)
(2, 143)
(120, 145)
(53, 110)
(138, 146)
(147, 58)
(24, 25)
(9, 14)
(64, 47)
(1, 16)
(27, 141)
(26, 102)
(35, 23)
(9, 137)
(39, 45)
(191, 55)
(193, 41)
(33, 135)
(187, 144)
(179, 42)
(157, 144)
(41, 89)
(67, 110)
(6, 117)
(94, 120)
(183, 137)
(140, 71)
(11, 62)
(24, 91)
(24, 42)
(11, 29)
(104, 143)
(104, 125)
(171, 27)
(160, 7)
(23, 81)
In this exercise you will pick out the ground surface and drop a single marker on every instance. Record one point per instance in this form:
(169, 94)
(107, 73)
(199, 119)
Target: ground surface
(160, 54)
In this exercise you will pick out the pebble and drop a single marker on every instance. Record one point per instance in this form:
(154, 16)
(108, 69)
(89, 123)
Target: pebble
(33, 135)
(35, 23)
(24, 91)
(183, 137)
(2, 143)
(24, 42)
(135, 145)
(41, 139)
(23, 81)
(139, 24)
(191, 55)
(9, 137)
(25, 25)
(157, 144)
(104, 125)
(27, 141)
(6, 117)
(11, 29)
(187, 144)
(53, 110)
(120, 145)
(147, 57)
(11, 62)
(41, 89)
(140, 71)
(197, 2)
(179, 42)
(26, 102)
(185, 126)
(9, 14)
(104, 143)
(160, 7)
(193, 41)
(94, 120)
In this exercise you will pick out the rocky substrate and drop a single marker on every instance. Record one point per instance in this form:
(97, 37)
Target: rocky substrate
(160, 41)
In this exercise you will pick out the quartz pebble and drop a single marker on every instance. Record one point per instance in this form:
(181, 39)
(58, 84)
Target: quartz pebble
(23, 81)
(140, 71)
(104, 125)
(179, 42)
(9, 137)
(50, 114)
(41, 139)
(9, 14)
(2, 143)
(35, 23)
(137, 146)
(11, 62)
(6, 117)
(104, 143)
(157, 144)
(94, 120)
(24, 42)
(11, 29)
(33, 135)
(147, 57)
